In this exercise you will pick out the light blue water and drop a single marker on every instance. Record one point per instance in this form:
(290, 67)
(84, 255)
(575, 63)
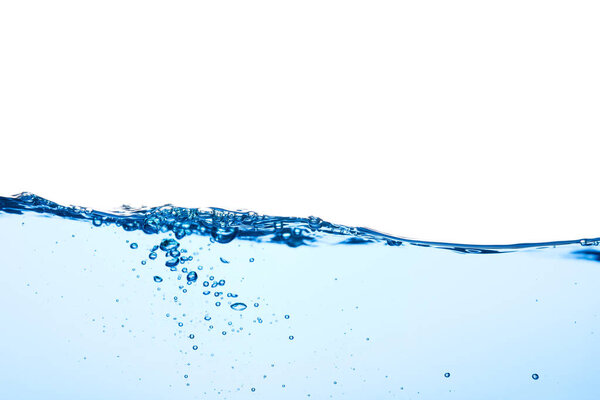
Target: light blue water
(175, 303)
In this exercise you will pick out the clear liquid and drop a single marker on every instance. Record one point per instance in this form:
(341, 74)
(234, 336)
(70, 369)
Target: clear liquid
(89, 313)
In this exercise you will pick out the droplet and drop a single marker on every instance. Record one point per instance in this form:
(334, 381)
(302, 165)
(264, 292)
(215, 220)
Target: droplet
(133, 245)
(158, 279)
(238, 306)
(535, 377)
(224, 261)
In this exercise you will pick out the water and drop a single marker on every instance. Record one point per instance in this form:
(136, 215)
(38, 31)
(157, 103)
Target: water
(211, 304)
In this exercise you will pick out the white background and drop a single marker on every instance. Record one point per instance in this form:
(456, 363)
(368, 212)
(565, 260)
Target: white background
(462, 121)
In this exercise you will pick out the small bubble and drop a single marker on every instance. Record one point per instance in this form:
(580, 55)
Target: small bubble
(447, 374)
(251, 259)
(152, 255)
(535, 377)
(133, 245)
(180, 324)
(192, 277)
(191, 336)
(255, 304)
(169, 244)
(291, 337)
(287, 316)
(172, 263)
(207, 318)
(185, 376)
(253, 389)
(224, 333)
(158, 279)
(238, 306)
(218, 303)
(195, 347)
(222, 282)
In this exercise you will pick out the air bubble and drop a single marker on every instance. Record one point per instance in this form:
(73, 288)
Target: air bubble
(238, 306)
(169, 244)
(192, 277)
(172, 263)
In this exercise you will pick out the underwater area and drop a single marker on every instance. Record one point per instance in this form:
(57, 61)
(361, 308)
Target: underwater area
(170, 302)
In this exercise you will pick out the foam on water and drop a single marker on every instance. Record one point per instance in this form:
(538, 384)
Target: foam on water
(183, 303)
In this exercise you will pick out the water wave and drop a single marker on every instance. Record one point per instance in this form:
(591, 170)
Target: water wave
(226, 225)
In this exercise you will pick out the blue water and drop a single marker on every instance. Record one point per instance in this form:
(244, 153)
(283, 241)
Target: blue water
(175, 303)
